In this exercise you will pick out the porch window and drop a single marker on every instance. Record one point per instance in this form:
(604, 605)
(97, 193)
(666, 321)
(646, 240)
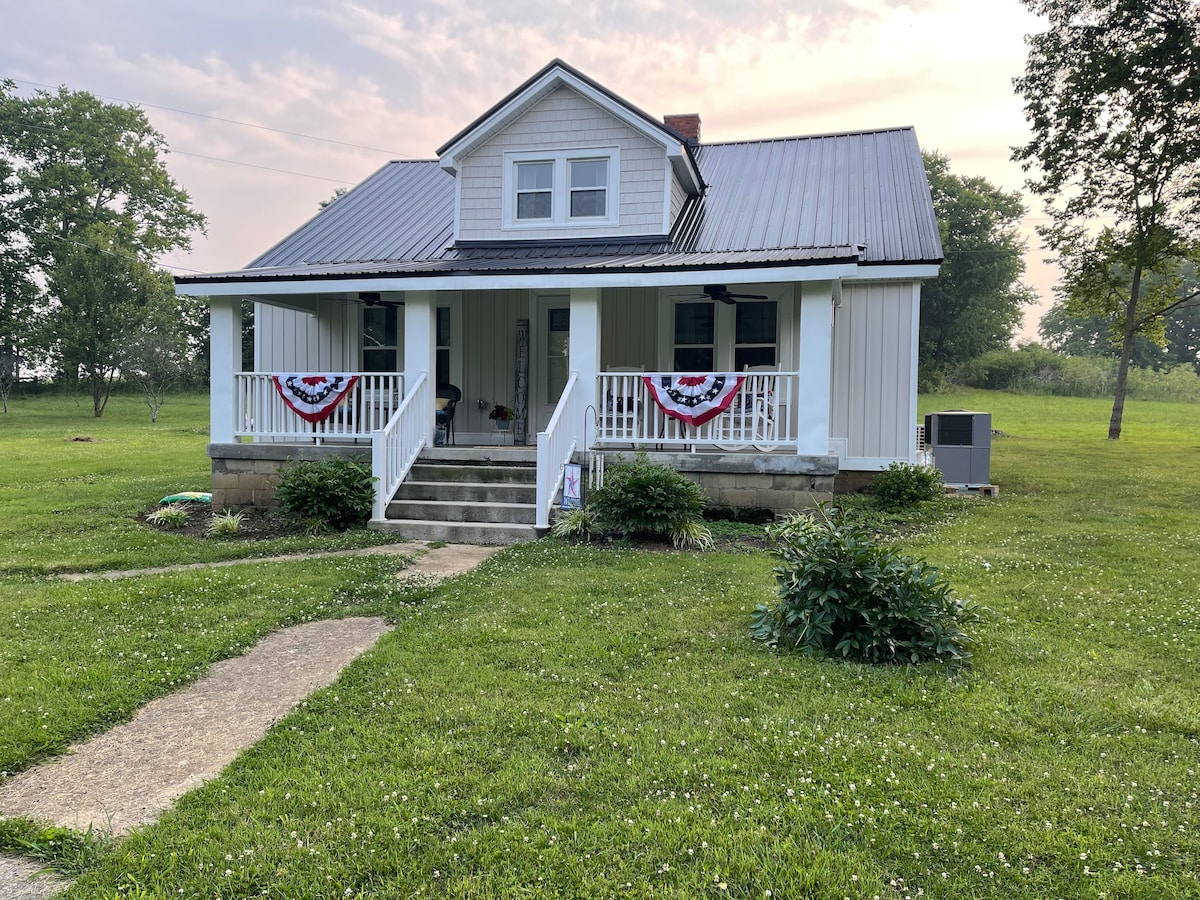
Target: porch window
(558, 350)
(695, 331)
(443, 345)
(756, 334)
(561, 189)
(379, 339)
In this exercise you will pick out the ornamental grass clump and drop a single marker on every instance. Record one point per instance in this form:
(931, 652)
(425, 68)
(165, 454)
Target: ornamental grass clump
(842, 594)
(335, 493)
(174, 516)
(643, 499)
(226, 524)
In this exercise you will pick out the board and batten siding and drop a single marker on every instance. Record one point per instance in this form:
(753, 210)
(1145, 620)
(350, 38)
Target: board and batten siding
(873, 407)
(287, 340)
(628, 328)
(563, 120)
(489, 354)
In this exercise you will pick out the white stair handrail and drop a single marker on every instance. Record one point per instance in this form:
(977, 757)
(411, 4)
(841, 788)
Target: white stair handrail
(555, 447)
(396, 446)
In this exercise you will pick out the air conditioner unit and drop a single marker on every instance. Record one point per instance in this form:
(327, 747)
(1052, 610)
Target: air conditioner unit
(961, 443)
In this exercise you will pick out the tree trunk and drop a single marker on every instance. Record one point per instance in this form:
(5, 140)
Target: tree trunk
(1118, 410)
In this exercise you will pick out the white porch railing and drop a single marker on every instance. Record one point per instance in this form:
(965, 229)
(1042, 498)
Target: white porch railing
(395, 447)
(557, 444)
(260, 413)
(762, 415)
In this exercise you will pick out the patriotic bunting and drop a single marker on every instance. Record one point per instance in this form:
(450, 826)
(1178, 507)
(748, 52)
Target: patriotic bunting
(313, 397)
(694, 399)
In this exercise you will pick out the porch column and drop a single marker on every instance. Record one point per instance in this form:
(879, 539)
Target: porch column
(420, 332)
(585, 343)
(816, 346)
(225, 358)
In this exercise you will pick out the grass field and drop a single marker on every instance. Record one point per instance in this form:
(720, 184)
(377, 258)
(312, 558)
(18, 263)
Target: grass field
(72, 486)
(581, 722)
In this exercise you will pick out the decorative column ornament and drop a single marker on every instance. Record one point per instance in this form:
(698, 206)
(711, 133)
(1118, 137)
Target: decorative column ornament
(521, 385)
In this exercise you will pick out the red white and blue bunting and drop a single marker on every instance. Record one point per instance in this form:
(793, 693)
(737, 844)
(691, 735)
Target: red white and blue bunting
(313, 397)
(694, 399)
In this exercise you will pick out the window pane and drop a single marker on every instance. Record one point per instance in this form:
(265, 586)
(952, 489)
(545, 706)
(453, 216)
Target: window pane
(753, 356)
(379, 360)
(693, 323)
(756, 322)
(533, 206)
(693, 359)
(587, 203)
(558, 350)
(586, 173)
(379, 326)
(443, 326)
(535, 176)
(443, 367)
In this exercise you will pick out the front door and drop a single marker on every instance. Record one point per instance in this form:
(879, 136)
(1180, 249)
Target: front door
(552, 362)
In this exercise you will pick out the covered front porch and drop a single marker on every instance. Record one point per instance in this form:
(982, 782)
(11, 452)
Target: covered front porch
(576, 365)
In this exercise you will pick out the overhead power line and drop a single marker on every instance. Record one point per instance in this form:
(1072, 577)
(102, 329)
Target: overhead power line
(188, 112)
(232, 162)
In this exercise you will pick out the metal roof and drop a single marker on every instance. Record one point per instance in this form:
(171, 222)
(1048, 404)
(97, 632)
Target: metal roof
(858, 197)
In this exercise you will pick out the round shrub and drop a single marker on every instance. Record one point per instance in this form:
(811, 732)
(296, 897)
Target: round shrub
(903, 485)
(843, 595)
(642, 498)
(334, 493)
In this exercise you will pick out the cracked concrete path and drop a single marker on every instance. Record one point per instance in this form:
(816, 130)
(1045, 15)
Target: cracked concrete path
(21, 879)
(443, 561)
(126, 776)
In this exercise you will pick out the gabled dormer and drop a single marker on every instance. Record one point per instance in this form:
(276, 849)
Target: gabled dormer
(563, 158)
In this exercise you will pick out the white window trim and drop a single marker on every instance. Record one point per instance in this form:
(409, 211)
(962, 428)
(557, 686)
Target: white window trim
(560, 196)
(725, 326)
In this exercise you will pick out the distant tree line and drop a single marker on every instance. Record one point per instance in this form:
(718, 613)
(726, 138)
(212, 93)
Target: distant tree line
(86, 207)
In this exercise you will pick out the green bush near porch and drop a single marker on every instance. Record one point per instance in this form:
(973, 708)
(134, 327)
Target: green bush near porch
(331, 494)
(644, 499)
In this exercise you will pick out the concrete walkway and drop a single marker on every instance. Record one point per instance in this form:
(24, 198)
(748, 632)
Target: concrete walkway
(128, 775)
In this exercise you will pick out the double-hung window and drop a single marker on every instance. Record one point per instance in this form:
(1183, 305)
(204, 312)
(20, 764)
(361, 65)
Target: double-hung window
(535, 191)
(561, 189)
(589, 188)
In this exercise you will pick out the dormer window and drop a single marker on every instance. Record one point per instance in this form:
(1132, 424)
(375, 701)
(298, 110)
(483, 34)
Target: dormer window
(589, 188)
(561, 189)
(535, 191)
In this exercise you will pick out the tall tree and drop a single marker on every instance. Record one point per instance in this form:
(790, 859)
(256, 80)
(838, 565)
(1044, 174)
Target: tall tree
(1091, 334)
(107, 297)
(974, 305)
(18, 291)
(1112, 95)
(88, 177)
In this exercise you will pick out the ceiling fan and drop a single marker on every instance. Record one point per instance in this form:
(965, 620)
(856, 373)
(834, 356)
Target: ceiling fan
(372, 298)
(722, 293)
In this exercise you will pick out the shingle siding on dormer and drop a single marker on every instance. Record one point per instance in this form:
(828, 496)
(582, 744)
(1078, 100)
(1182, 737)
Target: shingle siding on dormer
(563, 120)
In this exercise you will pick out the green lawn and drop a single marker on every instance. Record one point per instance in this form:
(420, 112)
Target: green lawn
(72, 486)
(590, 723)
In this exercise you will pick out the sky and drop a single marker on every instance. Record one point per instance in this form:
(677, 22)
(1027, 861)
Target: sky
(269, 106)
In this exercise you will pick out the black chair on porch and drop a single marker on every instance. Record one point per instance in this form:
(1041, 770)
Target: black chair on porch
(451, 394)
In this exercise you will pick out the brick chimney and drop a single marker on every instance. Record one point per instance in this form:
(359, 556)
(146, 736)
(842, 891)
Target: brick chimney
(687, 125)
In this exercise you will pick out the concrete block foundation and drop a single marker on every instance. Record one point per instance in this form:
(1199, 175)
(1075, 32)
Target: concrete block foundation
(245, 475)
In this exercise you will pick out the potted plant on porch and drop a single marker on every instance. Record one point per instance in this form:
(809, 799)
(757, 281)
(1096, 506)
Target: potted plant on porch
(502, 415)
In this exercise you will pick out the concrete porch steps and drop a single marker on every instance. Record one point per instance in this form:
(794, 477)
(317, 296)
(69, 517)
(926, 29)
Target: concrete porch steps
(467, 496)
